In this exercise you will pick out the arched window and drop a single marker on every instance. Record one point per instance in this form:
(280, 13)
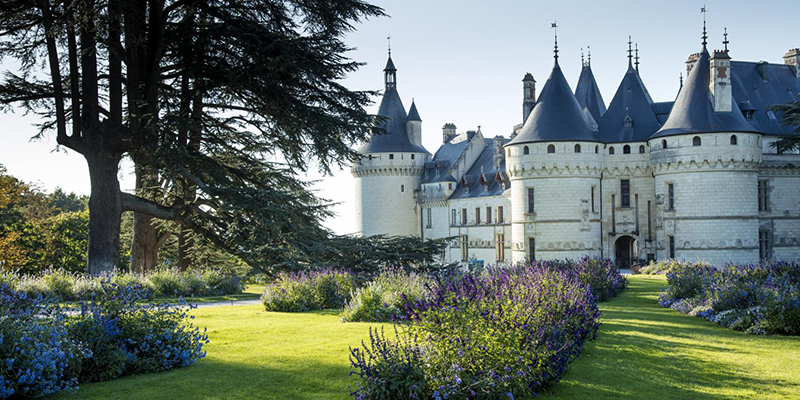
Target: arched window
(596, 149)
(696, 141)
(525, 150)
(641, 149)
(734, 141)
(577, 148)
(611, 150)
(664, 144)
(551, 148)
(626, 149)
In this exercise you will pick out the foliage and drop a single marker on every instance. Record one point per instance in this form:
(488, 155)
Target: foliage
(601, 274)
(502, 334)
(389, 369)
(68, 236)
(382, 299)
(373, 253)
(790, 116)
(304, 291)
(759, 298)
(660, 267)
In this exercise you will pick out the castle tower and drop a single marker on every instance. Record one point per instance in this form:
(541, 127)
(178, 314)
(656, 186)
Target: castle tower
(706, 161)
(528, 96)
(387, 178)
(554, 154)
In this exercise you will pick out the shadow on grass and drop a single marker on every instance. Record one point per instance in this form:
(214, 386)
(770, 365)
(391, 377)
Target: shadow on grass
(643, 351)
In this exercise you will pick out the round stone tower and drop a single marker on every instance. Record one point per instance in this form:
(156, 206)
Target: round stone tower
(387, 179)
(554, 165)
(705, 160)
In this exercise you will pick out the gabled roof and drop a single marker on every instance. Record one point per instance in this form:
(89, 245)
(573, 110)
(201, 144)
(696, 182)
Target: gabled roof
(438, 170)
(413, 114)
(588, 94)
(781, 86)
(693, 111)
(557, 115)
(631, 101)
(483, 172)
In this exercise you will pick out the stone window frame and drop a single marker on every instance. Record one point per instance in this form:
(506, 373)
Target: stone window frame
(763, 195)
(670, 196)
(623, 196)
(531, 200)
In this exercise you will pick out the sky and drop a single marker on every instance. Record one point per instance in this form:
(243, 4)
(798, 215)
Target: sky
(463, 62)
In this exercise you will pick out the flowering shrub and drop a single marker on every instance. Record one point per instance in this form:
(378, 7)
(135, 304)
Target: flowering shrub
(600, 274)
(757, 298)
(382, 298)
(44, 350)
(661, 267)
(304, 291)
(389, 370)
(497, 335)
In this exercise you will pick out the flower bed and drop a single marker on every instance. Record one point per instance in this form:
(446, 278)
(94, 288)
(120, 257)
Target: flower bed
(43, 350)
(757, 298)
(600, 274)
(382, 299)
(501, 334)
(304, 291)
(68, 286)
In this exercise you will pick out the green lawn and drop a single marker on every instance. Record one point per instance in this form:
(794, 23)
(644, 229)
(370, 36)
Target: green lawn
(642, 352)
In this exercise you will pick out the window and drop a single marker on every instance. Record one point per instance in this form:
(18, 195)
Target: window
(551, 148)
(734, 140)
(525, 150)
(641, 149)
(763, 195)
(596, 149)
(664, 144)
(672, 247)
(500, 248)
(577, 148)
(430, 219)
(463, 216)
(625, 192)
(670, 197)
(464, 247)
(370, 156)
(531, 249)
(449, 186)
(488, 215)
(391, 156)
(477, 215)
(764, 245)
(530, 200)
(611, 150)
(696, 141)
(402, 188)
(412, 156)
(508, 152)
(453, 216)
(626, 149)
(500, 219)
(592, 200)
(771, 114)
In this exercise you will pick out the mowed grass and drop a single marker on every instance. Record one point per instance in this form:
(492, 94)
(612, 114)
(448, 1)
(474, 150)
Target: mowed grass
(642, 352)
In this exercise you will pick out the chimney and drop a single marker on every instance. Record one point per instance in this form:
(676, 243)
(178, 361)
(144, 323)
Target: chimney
(528, 96)
(499, 155)
(720, 83)
(792, 57)
(448, 132)
(762, 67)
(690, 62)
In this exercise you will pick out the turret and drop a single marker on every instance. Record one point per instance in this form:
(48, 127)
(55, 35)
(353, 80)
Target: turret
(792, 57)
(390, 74)
(528, 96)
(448, 132)
(414, 125)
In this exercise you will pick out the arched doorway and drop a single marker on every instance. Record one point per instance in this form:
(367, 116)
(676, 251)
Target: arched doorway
(625, 251)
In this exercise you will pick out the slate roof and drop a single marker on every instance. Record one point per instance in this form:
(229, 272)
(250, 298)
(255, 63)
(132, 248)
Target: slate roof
(631, 101)
(693, 111)
(413, 114)
(474, 180)
(390, 65)
(588, 94)
(557, 115)
(438, 170)
(662, 110)
(781, 86)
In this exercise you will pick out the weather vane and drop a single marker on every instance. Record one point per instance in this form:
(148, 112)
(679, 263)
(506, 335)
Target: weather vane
(705, 35)
(554, 25)
(389, 39)
(725, 42)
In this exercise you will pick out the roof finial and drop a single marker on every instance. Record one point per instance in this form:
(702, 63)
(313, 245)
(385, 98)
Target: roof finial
(705, 34)
(681, 78)
(636, 62)
(725, 42)
(389, 39)
(590, 55)
(554, 25)
(583, 62)
(630, 51)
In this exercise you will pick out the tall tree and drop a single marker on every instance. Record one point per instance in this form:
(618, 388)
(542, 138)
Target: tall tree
(224, 101)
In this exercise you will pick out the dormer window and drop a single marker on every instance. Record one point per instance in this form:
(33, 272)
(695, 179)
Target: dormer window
(771, 115)
(749, 114)
(628, 122)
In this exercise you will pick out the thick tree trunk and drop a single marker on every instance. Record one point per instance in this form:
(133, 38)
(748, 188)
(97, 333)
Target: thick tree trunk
(144, 249)
(105, 212)
(184, 261)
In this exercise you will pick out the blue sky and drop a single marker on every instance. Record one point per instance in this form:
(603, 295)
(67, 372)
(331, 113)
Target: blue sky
(463, 62)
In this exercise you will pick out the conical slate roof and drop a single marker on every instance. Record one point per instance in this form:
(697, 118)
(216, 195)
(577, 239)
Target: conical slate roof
(631, 101)
(693, 111)
(557, 115)
(413, 114)
(390, 65)
(588, 94)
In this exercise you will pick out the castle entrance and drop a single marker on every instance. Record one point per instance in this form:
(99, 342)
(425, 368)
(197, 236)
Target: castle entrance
(624, 251)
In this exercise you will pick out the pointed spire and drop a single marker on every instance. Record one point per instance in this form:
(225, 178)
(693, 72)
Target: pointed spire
(725, 42)
(630, 52)
(590, 55)
(636, 58)
(554, 25)
(389, 39)
(681, 78)
(583, 62)
(413, 114)
(705, 34)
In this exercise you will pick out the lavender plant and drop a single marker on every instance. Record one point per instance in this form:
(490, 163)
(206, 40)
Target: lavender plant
(304, 291)
(382, 299)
